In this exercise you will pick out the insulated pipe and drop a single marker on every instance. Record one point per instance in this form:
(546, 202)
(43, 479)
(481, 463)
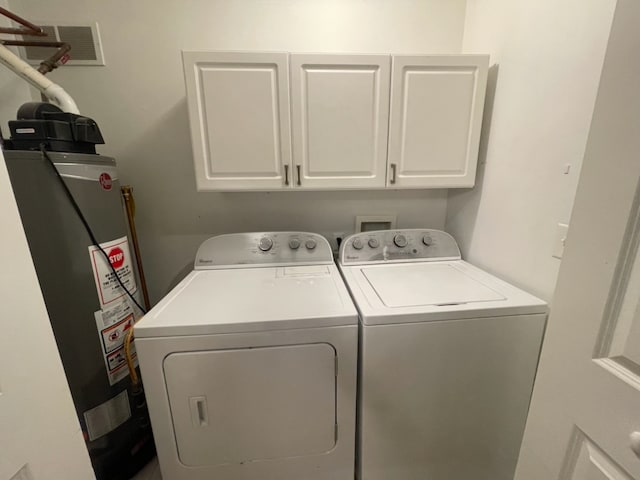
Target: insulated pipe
(50, 90)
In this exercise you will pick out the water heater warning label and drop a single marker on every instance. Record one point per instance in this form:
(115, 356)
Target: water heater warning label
(107, 285)
(114, 323)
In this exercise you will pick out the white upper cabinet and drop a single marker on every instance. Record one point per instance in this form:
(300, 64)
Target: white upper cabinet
(272, 121)
(239, 115)
(340, 115)
(436, 116)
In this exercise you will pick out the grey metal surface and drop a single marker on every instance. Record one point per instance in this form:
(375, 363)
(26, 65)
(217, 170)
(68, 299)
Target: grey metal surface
(59, 246)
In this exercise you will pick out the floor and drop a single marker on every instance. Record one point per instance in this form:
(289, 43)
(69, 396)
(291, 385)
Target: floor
(150, 472)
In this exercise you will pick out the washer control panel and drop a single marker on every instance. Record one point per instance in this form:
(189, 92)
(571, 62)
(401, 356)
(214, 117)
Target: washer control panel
(263, 248)
(398, 246)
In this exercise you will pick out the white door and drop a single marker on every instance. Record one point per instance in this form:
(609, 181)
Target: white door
(340, 115)
(40, 437)
(584, 422)
(239, 115)
(436, 116)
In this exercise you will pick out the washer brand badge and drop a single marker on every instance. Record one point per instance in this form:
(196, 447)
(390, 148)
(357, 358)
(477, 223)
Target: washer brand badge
(105, 181)
(116, 257)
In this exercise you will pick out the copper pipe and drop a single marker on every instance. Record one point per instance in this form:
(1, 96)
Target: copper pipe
(31, 43)
(62, 55)
(31, 29)
(130, 205)
(21, 31)
(50, 63)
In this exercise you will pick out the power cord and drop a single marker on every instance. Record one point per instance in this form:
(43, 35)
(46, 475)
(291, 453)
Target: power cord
(75, 206)
(137, 388)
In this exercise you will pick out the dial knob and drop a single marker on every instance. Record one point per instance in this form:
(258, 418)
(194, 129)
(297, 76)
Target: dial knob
(310, 244)
(294, 244)
(400, 240)
(374, 243)
(357, 243)
(427, 240)
(265, 244)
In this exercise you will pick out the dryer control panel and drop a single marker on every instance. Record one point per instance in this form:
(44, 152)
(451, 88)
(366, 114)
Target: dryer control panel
(398, 246)
(263, 248)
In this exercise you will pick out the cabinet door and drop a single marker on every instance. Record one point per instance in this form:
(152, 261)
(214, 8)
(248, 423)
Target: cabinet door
(239, 115)
(340, 115)
(435, 121)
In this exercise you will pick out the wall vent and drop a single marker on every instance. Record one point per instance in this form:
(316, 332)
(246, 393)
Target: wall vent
(86, 47)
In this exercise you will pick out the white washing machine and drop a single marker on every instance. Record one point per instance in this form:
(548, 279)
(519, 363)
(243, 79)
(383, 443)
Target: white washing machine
(448, 356)
(249, 364)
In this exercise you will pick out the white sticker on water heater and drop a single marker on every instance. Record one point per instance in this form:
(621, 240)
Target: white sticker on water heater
(107, 416)
(107, 285)
(114, 323)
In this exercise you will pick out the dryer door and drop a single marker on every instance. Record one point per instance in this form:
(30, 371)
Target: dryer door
(243, 405)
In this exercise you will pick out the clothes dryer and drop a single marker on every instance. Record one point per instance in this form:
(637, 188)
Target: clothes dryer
(249, 364)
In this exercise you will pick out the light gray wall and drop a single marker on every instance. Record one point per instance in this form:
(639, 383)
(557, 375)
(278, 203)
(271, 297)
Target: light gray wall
(13, 90)
(541, 98)
(138, 100)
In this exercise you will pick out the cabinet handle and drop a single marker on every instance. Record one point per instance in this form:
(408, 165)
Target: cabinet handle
(286, 175)
(393, 174)
(299, 178)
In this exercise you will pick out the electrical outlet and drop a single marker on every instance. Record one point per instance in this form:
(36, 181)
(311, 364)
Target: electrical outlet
(560, 240)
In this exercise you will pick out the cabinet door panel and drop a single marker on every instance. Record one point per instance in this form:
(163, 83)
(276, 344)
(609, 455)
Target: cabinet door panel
(340, 119)
(239, 114)
(436, 117)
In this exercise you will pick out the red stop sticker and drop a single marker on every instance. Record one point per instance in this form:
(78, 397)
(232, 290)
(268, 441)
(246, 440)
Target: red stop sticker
(116, 257)
(105, 181)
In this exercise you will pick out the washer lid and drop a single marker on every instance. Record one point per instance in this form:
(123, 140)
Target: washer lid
(432, 291)
(412, 285)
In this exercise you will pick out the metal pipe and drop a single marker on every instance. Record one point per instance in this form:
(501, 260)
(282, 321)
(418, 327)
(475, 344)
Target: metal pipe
(50, 63)
(21, 31)
(31, 29)
(52, 91)
(31, 43)
(130, 205)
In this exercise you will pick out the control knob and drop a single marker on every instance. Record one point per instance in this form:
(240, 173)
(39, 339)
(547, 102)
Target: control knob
(310, 244)
(427, 240)
(265, 244)
(294, 244)
(374, 243)
(400, 240)
(357, 243)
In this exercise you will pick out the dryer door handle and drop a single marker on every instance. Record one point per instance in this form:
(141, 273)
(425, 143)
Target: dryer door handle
(199, 414)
